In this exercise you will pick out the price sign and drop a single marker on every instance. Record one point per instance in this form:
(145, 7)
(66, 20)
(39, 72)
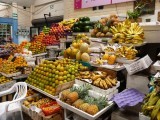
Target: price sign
(139, 65)
(120, 1)
(78, 4)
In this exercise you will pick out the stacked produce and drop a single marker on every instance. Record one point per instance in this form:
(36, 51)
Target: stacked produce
(79, 98)
(9, 48)
(20, 48)
(10, 66)
(127, 32)
(20, 62)
(83, 24)
(68, 23)
(49, 40)
(151, 105)
(127, 52)
(30, 92)
(48, 106)
(46, 30)
(37, 47)
(99, 79)
(57, 30)
(102, 27)
(4, 79)
(40, 37)
(50, 74)
(122, 51)
(78, 47)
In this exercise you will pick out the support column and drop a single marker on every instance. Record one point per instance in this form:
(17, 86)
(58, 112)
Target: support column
(15, 22)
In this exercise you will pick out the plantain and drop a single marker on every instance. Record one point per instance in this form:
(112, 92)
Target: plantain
(104, 84)
(96, 82)
(95, 77)
(153, 101)
(113, 82)
(158, 116)
(108, 83)
(155, 110)
(101, 84)
(149, 108)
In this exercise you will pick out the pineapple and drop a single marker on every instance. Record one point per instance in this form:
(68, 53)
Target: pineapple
(96, 105)
(92, 109)
(64, 95)
(101, 102)
(78, 92)
(78, 103)
(84, 107)
(83, 90)
(72, 97)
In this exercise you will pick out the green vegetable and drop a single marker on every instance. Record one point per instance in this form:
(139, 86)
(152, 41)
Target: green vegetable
(84, 19)
(87, 28)
(77, 29)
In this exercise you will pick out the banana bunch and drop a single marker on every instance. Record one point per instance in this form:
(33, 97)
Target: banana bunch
(105, 83)
(99, 61)
(68, 23)
(127, 52)
(85, 75)
(127, 32)
(151, 106)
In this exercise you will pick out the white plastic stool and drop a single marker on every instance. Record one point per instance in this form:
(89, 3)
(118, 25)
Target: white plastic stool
(9, 107)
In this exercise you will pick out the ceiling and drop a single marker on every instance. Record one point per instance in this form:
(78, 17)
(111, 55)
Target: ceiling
(26, 3)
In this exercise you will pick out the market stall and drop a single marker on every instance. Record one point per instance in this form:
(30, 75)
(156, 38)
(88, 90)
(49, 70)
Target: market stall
(83, 80)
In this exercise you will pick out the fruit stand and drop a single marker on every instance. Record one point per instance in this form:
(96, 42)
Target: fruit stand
(84, 77)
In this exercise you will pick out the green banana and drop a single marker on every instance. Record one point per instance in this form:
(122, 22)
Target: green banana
(158, 116)
(155, 110)
(153, 101)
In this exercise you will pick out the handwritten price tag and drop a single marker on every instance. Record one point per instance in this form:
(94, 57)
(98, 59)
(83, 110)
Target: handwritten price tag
(139, 65)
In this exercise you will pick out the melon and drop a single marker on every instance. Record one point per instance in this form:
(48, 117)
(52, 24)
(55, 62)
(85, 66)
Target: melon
(84, 47)
(78, 56)
(85, 57)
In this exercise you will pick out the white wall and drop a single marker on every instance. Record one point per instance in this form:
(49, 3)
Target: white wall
(24, 16)
(41, 2)
(5, 11)
(55, 8)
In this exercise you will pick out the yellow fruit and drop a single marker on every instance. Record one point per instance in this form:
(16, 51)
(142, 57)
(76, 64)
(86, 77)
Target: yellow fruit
(92, 109)
(111, 59)
(85, 57)
(84, 47)
(68, 51)
(84, 107)
(74, 52)
(105, 57)
(78, 56)
(72, 97)
(75, 45)
(78, 102)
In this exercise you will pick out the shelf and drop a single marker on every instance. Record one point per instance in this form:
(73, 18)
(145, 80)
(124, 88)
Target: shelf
(41, 54)
(42, 92)
(110, 67)
(20, 77)
(76, 33)
(10, 75)
(135, 45)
